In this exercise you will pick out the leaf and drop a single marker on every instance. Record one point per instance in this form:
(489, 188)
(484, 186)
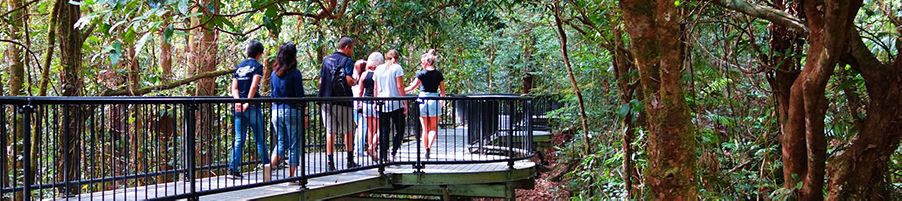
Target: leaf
(167, 33)
(140, 44)
(183, 7)
(115, 51)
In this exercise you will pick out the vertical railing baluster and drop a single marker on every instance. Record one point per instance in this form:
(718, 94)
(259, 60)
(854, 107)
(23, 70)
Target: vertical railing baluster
(27, 112)
(510, 134)
(3, 135)
(529, 136)
(190, 148)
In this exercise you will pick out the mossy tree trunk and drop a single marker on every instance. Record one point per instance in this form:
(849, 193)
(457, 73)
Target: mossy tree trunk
(657, 49)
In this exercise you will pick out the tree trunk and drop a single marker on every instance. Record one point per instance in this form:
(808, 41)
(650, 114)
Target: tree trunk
(165, 56)
(48, 54)
(205, 54)
(785, 64)
(655, 32)
(528, 48)
(71, 41)
(15, 57)
(860, 172)
(807, 103)
(579, 95)
(622, 71)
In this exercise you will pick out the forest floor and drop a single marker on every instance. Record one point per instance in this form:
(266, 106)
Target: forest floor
(545, 190)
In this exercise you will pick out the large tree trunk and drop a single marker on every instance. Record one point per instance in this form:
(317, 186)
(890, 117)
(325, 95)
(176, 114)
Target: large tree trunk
(204, 55)
(654, 28)
(71, 41)
(828, 24)
(16, 70)
(860, 172)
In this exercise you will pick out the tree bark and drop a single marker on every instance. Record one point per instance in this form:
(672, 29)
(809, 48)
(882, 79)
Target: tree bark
(165, 56)
(785, 64)
(71, 41)
(828, 36)
(655, 31)
(622, 70)
(15, 57)
(860, 172)
(579, 96)
(48, 54)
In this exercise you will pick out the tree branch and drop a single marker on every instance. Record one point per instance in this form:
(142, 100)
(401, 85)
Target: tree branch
(169, 85)
(767, 13)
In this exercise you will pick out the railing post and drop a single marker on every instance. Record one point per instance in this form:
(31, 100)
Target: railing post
(510, 134)
(27, 111)
(529, 137)
(303, 144)
(190, 148)
(4, 133)
(419, 140)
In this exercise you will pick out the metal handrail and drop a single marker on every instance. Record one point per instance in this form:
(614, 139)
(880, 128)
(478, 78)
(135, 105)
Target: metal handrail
(514, 103)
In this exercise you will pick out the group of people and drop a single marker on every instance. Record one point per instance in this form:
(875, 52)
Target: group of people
(340, 76)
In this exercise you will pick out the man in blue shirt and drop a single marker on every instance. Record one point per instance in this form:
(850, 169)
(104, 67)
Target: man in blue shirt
(245, 82)
(336, 79)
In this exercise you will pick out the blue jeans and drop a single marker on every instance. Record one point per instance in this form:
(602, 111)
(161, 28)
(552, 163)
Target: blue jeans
(287, 122)
(251, 118)
(360, 133)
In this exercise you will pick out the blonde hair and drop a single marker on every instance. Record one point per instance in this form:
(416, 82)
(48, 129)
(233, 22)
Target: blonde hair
(392, 54)
(430, 58)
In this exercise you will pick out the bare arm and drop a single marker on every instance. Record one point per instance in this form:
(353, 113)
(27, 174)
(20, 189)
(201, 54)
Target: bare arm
(360, 85)
(400, 82)
(441, 88)
(234, 89)
(413, 85)
(255, 84)
(351, 81)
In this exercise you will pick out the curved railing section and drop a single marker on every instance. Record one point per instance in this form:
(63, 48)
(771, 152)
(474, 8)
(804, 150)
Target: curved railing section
(180, 147)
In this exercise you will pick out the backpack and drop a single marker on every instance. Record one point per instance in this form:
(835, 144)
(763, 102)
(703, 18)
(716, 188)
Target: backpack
(338, 83)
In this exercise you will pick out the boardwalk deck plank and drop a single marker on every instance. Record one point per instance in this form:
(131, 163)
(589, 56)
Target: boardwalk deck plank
(450, 146)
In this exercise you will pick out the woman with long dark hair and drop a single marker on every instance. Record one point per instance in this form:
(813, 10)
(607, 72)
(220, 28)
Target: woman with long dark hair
(287, 118)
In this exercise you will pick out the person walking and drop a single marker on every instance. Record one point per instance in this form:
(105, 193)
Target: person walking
(336, 80)
(388, 79)
(433, 85)
(286, 81)
(367, 84)
(245, 82)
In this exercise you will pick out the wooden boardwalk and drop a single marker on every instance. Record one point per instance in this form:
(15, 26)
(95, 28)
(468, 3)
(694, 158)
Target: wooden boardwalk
(451, 146)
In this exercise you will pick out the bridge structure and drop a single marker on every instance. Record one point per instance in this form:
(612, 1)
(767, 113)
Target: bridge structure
(179, 148)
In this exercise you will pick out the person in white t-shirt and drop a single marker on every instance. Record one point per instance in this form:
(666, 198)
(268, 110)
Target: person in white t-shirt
(389, 83)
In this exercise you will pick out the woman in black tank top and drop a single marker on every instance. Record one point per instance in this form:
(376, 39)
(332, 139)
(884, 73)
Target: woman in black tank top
(367, 107)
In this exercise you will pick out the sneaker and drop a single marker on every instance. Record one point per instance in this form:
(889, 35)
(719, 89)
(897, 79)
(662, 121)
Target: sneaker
(330, 166)
(259, 167)
(235, 175)
(352, 164)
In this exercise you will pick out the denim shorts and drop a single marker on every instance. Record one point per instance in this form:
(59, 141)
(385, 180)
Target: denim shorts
(429, 107)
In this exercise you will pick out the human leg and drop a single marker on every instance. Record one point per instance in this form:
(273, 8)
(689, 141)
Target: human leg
(241, 125)
(256, 124)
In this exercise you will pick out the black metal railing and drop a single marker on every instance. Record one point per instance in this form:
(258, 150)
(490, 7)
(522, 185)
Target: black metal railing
(179, 147)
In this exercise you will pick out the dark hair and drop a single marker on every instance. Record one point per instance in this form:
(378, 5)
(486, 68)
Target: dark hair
(344, 41)
(254, 49)
(286, 59)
